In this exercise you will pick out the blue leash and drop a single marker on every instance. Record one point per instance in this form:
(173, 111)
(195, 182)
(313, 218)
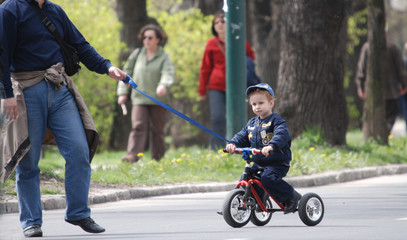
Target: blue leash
(134, 86)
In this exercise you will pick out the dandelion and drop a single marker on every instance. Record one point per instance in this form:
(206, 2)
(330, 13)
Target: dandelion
(183, 155)
(161, 169)
(323, 155)
(346, 154)
(140, 154)
(311, 149)
(220, 150)
(390, 136)
(173, 160)
(224, 154)
(179, 160)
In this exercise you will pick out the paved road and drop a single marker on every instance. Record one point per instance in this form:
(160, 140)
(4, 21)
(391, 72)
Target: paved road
(373, 208)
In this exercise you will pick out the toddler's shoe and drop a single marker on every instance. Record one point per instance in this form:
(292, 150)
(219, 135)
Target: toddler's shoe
(292, 203)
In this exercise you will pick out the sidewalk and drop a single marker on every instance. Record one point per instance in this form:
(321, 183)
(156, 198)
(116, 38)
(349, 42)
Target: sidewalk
(103, 195)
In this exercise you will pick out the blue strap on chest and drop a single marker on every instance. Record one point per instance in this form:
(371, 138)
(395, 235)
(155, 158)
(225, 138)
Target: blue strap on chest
(181, 115)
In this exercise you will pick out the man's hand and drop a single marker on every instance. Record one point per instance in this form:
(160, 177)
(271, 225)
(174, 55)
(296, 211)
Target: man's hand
(361, 94)
(9, 108)
(230, 148)
(266, 150)
(116, 73)
(403, 91)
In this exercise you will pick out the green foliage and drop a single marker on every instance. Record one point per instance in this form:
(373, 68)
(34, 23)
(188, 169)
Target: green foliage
(352, 109)
(188, 31)
(97, 22)
(355, 31)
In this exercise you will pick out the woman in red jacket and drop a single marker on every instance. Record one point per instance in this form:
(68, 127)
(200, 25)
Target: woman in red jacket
(212, 78)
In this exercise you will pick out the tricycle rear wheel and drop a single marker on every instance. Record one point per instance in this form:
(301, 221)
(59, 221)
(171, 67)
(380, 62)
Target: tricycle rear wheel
(260, 218)
(311, 209)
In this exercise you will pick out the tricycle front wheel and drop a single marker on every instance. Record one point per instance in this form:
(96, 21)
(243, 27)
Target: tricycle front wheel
(235, 212)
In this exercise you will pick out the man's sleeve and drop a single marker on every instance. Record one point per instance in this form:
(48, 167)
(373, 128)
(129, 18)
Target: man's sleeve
(361, 71)
(8, 38)
(87, 54)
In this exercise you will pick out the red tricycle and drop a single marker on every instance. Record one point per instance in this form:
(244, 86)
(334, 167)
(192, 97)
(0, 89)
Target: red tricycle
(243, 204)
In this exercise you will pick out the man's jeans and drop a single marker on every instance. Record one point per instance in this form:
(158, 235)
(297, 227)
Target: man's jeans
(57, 110)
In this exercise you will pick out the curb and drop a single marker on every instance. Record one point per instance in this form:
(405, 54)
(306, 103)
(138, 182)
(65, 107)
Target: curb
(112, 195)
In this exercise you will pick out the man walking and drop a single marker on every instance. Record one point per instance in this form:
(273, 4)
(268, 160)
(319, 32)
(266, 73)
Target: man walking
(44, 97)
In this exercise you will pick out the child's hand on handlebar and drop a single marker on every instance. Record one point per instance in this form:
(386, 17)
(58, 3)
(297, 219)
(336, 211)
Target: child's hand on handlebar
(266, 150)
(230, 148)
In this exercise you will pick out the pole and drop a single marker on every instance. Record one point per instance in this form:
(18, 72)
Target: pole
(236, 116)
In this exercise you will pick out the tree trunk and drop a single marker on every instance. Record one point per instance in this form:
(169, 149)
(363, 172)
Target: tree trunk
(374, 110)
(210, 7)
(133, 15)
(263, 31)
(310, 89)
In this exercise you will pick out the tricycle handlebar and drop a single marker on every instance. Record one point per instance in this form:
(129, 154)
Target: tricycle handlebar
(245, 150)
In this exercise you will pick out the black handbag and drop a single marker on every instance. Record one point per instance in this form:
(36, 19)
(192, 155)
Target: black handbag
(69, 53)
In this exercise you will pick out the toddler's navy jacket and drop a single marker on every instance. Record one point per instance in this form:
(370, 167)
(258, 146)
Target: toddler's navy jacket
(258, 133)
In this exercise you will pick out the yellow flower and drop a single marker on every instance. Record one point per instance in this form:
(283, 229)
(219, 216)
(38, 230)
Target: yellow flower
(324, 155)
(140, 154)
(346, 154)
(220, 150)
(390, 136)
(183, 155)
(311, 149)
(179, 160)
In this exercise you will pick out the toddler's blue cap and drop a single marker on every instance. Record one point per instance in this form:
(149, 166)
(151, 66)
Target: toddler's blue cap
(262, 86)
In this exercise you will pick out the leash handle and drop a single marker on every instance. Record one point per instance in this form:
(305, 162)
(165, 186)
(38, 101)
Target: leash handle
(129, 81)
(181, 115)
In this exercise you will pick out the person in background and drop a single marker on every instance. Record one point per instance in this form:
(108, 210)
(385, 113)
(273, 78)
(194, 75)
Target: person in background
(39, 95)
(1, 80)
(152, 70)
(403, 98)
(1, 115)
(269, 132)
(396, 80)
(212, 78)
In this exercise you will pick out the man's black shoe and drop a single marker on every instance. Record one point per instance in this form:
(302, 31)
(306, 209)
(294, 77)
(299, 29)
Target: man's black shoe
(88, 225)
(292, 203)
(33, 231)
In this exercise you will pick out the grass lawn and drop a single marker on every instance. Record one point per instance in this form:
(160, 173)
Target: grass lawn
(196, 164)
